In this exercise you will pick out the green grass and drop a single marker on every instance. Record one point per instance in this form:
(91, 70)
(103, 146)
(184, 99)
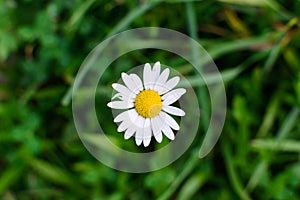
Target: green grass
(255, 45)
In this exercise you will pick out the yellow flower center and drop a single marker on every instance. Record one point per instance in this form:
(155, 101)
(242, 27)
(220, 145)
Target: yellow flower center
(148, 103)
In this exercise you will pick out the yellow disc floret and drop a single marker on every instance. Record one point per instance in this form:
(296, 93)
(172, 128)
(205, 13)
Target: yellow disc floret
(148, 103)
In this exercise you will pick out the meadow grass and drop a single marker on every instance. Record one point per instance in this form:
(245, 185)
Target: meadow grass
(255, 45)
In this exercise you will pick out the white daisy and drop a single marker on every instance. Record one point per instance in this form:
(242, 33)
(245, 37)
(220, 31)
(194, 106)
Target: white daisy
(147, 105)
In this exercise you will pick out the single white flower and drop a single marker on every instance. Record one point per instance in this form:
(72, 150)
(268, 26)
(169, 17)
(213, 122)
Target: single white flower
(147, 105)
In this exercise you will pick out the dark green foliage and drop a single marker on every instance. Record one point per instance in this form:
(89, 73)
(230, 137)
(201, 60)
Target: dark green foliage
(256, 46)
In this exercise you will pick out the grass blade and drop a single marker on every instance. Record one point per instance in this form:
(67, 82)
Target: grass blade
(189, 166)
(51, 172)
(272, 144)
(9, 176)
(132, 16)
(282, 134)
(192, 185)
(78, 15)
(233, 177)
(202, 95)
(269, 117)
(288, 124)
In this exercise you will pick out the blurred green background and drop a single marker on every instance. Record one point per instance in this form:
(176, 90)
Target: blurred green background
(255, 44)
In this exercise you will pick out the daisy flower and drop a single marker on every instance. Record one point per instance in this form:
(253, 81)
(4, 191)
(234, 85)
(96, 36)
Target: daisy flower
(147, 105)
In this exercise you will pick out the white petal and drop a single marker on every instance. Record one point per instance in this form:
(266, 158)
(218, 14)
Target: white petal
(129, 114)
(161, 81)
(156, 71)
(120, 104)
(157, 124)
(169, 85)
(139, 136)
(172, 96)
(124, 125)
(158, 137)
(123, 90)
(129, 132)
(169, 120)
(121, 117)
(168, 132)
(173, 110)
(133, 115)
(140, 122)
(129, 83)
(147, 133)
(147, 76)
(172, 83)
(137, 81)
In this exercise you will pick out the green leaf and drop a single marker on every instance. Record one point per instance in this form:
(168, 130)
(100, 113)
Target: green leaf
(9, 177)
(8, 43)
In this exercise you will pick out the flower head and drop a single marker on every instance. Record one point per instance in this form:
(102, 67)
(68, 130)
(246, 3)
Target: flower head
(147, 105)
